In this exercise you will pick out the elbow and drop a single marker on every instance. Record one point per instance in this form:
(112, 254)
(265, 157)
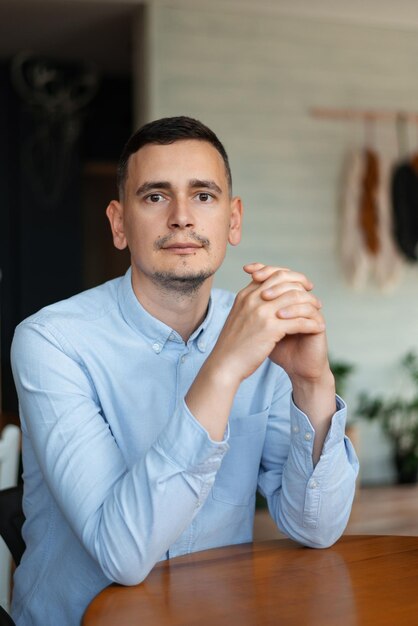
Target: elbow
(321, 543)
(125, 567)
(128, 579)
(318, 536)
(315, 540)
(128, 574)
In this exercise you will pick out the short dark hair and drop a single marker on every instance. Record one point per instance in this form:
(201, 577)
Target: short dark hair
(165, 131)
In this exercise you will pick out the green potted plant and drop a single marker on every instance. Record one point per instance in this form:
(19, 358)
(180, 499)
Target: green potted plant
(398, 417)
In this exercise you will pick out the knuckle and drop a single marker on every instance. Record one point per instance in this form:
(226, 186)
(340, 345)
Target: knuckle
(263, 313)
(298, 296)
(281, 273)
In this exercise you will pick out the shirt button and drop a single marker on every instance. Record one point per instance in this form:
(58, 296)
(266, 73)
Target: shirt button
(313, 484)
(308, 436)
(172, 337)
(201, 345)
(156, 347)
(198, 504)
(295, 429)
(183, 358)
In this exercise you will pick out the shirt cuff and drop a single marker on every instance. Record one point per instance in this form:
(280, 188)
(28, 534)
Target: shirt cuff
(188, 445)
(303, 433)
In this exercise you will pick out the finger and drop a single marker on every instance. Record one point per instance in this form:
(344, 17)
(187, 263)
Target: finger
(307, 310)
(295, 298)
(303, 326)
(252, 267)
(276, 290)
(252, 286)
(281, 274)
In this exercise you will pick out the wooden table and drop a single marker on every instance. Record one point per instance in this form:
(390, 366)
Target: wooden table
(361, 580)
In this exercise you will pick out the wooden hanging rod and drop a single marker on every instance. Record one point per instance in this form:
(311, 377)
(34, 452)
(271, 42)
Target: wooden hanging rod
(365, 114)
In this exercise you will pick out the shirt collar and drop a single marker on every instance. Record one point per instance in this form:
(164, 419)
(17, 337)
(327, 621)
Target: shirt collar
(155, 332)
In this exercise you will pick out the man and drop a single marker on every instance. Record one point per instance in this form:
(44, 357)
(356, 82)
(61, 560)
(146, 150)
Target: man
(153, 406)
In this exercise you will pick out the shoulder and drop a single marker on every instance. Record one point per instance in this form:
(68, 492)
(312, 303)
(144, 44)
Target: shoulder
(85, 308)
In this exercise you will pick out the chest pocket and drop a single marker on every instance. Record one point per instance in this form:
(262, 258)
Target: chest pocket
(236, 480)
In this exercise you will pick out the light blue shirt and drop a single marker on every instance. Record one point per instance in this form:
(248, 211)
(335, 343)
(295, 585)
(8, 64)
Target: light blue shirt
(118, 473)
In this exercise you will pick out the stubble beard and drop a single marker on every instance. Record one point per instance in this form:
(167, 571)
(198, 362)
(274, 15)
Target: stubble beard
(181, 285)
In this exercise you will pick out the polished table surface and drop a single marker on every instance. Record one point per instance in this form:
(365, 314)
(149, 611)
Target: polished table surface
(360, 580)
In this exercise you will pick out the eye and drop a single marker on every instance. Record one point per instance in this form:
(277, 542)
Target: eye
(205, 197)
(154, 198)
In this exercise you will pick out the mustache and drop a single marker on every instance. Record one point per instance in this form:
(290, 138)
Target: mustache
(162, 241)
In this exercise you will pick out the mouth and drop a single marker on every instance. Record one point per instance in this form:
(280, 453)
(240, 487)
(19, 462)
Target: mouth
(182, 248)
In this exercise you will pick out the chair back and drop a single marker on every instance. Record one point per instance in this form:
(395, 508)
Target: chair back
(9, 456)
(5, 619)
(11, 521)
(9, 467)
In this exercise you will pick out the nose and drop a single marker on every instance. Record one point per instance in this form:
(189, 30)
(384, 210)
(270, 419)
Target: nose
(180, 215)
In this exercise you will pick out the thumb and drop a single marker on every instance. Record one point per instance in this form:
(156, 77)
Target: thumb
(252, 267)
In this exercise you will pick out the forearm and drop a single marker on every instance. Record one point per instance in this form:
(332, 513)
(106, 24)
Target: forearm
(317, 400)
(210, 397)
(154, 503)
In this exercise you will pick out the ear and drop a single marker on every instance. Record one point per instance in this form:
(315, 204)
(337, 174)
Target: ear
(235, 222)
(114, 213)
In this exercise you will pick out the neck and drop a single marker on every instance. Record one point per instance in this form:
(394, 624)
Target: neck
(182, 312)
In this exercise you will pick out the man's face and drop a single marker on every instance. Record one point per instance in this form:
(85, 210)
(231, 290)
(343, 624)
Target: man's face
(177, 215)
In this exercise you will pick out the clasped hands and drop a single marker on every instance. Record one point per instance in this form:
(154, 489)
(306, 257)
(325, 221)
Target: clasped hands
(276, 316)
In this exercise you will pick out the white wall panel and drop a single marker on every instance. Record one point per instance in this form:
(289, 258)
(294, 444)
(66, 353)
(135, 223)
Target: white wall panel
(253, 78)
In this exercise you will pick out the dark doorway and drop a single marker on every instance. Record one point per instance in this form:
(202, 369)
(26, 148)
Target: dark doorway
(51, 250)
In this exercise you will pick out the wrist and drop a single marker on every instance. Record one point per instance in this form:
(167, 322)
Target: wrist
(323, 383)
(210, 398)
(220, 374)
(315, 396)
(223, 370)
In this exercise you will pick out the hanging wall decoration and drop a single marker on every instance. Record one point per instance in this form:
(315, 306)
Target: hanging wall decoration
(55, 94)
(379, 225)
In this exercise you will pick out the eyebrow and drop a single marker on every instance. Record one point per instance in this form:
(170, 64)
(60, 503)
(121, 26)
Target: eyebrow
(149, 186)
(195, 183)
(205, 184)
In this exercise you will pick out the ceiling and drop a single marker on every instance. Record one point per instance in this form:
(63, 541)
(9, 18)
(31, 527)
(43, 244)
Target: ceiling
(100, 33)
(101, 30)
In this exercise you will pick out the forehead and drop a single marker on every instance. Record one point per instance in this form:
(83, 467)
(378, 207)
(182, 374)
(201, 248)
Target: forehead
(177, 163)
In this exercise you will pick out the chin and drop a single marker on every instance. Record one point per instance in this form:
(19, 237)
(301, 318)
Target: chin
(186, 282)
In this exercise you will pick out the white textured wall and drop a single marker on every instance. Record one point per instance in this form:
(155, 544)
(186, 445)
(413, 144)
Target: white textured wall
(253, 78)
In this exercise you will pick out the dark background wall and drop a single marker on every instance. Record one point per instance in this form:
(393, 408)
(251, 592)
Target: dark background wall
(50, 250)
